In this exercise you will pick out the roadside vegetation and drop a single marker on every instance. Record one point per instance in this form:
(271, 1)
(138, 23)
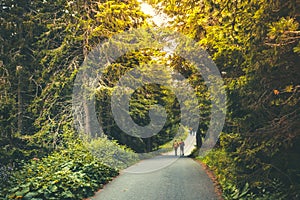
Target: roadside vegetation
(255, 44)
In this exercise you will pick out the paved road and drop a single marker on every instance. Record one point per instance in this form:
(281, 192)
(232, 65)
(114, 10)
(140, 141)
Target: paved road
(175, 179)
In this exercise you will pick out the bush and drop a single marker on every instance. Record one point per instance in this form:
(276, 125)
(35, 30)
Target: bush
(226, 164)
(67, 174)
(112, 154)
(222, 164)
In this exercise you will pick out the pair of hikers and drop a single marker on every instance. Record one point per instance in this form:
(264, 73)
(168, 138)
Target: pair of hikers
(180, 145)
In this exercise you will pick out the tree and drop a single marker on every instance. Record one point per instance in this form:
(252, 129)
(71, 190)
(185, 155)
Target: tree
(43, 45)
(141, 100)
(18, 65)
(255, 44)
(76, 28)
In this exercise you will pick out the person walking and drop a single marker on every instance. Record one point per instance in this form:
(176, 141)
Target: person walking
(175, 146)
(181, 144)
(191, 131)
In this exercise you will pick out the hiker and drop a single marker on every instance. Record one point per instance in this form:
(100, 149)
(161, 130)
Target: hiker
(181, 144)
(175, 146)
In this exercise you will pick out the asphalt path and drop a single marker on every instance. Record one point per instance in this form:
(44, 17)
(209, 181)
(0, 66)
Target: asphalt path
(164, 177)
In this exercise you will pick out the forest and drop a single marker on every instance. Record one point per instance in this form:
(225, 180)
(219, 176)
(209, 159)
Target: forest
(48, 152)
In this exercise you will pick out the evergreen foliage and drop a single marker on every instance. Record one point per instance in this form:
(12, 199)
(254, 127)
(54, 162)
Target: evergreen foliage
(255, 44)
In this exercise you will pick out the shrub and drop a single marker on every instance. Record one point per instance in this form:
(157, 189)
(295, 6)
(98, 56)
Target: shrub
(226, 164)
(73, 173)
(110, 153)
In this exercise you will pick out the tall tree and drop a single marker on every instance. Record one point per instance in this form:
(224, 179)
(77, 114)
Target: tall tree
(18, 65)
(43, 43)
(69, 36)
(255, 44)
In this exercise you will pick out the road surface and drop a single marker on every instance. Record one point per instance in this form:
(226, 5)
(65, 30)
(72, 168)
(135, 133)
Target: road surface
(165, 177)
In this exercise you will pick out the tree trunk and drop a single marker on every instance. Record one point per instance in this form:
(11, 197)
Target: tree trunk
(20, 101)
(198, 139)
(87, 121)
